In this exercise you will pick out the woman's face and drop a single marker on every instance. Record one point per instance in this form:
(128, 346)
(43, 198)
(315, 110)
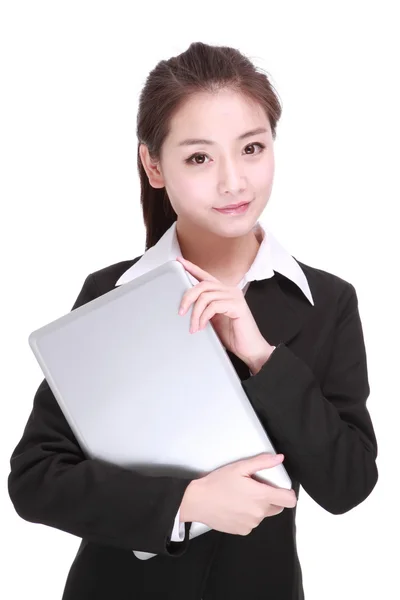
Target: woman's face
(200, 176)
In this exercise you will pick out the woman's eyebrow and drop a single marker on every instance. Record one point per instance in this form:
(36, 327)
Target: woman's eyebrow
(192, 141)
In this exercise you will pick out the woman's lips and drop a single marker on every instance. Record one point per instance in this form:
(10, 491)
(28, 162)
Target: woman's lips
(234, 211)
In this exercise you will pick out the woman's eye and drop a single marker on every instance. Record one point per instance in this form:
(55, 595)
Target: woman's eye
(198, 154)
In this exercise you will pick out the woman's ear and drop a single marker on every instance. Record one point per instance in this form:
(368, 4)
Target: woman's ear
(151, 167)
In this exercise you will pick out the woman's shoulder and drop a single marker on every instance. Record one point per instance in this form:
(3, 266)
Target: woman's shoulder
(325, 284)
(106, 277)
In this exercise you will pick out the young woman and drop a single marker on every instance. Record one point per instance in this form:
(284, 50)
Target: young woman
(206, 128)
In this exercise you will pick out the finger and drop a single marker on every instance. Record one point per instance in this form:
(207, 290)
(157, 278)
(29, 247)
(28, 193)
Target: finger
(193, 293)
(280, 497)
(224, 307)
(199, 317)
(195, 270)
(274, 510)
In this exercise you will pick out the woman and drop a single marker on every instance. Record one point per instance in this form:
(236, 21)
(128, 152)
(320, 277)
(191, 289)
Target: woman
(206, 127)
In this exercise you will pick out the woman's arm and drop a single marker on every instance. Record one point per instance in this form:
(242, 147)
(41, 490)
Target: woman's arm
(53, 483)
(326, 434)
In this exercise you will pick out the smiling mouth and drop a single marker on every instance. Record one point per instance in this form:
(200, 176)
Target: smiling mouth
(233, 206)
(241, 209)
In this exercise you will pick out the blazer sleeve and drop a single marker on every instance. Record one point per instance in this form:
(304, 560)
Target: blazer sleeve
(325, 432)
(52, 482)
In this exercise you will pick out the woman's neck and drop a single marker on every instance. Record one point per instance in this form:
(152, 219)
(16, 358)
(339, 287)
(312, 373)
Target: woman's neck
(227, 259)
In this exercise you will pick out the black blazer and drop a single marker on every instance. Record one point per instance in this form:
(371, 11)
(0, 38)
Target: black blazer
(310, 395)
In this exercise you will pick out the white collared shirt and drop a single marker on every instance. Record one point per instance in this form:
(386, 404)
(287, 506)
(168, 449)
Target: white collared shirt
(271, 257)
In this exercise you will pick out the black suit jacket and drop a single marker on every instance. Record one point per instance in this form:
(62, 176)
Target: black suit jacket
(310, 396)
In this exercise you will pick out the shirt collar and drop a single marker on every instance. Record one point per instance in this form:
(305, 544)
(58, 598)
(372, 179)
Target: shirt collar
(271, 257)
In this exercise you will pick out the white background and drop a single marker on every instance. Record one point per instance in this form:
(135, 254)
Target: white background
(70, 75)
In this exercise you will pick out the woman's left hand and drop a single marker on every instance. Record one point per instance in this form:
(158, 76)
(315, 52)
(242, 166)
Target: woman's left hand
(225, 306)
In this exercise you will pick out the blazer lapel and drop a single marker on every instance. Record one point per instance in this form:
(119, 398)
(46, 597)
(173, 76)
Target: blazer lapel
(279, 314)
(279, 309)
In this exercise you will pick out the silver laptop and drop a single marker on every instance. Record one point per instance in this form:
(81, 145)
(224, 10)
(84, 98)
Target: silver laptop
(140, 391)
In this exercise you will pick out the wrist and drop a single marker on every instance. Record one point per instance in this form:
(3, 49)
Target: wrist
(189, 501)
(259, 360)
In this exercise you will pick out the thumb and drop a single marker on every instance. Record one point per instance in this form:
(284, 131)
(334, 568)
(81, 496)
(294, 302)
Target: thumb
(261, 461)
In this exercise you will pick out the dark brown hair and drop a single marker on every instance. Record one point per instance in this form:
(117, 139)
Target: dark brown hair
(201, 68)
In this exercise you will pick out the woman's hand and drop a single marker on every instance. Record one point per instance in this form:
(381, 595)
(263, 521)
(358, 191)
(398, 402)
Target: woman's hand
(228, 499)
(225, 306)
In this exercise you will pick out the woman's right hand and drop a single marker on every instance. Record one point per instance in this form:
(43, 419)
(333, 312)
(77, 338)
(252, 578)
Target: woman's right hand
(228, 499)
